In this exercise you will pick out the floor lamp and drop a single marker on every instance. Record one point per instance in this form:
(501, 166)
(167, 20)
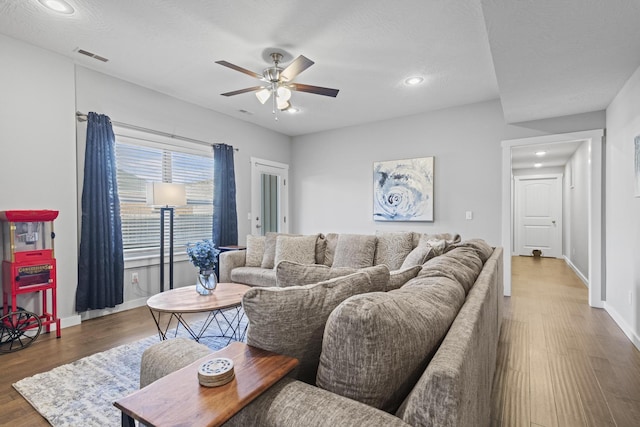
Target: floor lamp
(167, 196)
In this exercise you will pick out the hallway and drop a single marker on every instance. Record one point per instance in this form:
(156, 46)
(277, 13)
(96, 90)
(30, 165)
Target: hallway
(561, 362)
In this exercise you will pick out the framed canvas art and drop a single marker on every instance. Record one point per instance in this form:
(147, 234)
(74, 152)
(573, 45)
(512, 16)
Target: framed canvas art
(403, 190)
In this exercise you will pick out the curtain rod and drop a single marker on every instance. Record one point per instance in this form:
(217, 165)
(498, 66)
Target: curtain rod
(82, 117)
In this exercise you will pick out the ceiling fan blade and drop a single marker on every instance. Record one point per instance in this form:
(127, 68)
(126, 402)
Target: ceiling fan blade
(314, 89)
(300, 64)
(238, 92)
(242, 70)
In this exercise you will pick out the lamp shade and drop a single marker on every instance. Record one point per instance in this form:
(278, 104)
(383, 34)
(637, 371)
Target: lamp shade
(166, 194)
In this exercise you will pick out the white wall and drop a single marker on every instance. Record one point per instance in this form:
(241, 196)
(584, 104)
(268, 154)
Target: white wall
(332, 172)
(623, 210)
(38, 161)
(576, 204)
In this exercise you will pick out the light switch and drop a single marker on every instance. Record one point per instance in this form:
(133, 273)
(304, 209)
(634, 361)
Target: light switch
(469, 215)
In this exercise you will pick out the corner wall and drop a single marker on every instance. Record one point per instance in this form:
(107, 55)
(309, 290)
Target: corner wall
(623, 210)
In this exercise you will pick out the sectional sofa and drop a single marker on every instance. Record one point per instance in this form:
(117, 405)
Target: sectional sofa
(420, 351)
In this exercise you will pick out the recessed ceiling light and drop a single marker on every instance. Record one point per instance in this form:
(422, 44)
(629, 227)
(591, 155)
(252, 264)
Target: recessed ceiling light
(537, 165)
(540, 153)
(412, 81)
(59, 6)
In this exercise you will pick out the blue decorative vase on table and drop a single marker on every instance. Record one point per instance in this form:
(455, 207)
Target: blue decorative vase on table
(204, 255)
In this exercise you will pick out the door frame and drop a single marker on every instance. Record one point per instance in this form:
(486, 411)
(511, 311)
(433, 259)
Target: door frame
(595, 172)
(258, 167)
(559, 222)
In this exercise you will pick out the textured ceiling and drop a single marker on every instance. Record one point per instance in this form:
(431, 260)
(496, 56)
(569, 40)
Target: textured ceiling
(551, 58)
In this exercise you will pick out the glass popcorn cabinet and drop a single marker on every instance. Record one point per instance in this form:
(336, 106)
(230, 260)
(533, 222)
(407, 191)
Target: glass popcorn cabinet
(28, 266)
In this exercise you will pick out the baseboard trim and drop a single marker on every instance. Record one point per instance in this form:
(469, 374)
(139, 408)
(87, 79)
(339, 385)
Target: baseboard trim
(628, 331)
(127, 305)
(575, 270)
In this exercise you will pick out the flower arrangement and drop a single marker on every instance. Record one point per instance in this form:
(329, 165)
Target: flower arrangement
(203, 255)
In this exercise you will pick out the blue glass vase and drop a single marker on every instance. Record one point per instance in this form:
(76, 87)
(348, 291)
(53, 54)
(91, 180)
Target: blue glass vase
(207, 282)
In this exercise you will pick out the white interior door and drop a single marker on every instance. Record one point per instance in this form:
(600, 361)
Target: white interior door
(538, 211)
(269, 196)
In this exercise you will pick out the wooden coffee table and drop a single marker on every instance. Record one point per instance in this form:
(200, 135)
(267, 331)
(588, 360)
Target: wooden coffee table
(177, 302)
(178, 399)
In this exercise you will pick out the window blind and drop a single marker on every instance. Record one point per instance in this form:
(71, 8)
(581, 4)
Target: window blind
(141, 161)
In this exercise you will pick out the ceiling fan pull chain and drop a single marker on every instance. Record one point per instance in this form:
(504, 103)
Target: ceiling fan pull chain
(275, 109)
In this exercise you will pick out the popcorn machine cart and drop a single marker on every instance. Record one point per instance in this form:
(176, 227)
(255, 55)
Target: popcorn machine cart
(28, 266)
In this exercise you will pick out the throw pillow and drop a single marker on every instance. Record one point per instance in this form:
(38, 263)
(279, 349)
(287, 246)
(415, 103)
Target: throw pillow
(354, 250)
(255, 251)
(330, 248)
(393, 248)
(291, 320)
(419, 255)
(398, 278)
(296, 249)
(269, 257)
(376, 345)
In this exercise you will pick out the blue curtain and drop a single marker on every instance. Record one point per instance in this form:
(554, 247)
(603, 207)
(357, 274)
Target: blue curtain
(101, 260)
(225, 218)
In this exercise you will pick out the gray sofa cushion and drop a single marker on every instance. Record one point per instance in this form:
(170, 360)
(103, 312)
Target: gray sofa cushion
(354, 250)
(399, 277)
(366, 354)
(419, 255)
(330, 248)
(294, 274)
(254, 276)
(163, 358)
(393, 248)
(255, 251)
(321, 246)
(269, 257)
(291, 320)
(301, 249)
(461, 264)
(481, 247)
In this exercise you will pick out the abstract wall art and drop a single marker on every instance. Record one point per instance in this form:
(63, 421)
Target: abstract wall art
(403, 190)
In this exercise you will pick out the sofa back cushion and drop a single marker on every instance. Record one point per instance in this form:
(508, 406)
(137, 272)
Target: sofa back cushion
(255, 251)
(376, 345)
(398, 278)
(354, 250)
(300, 249)
(295, 274)
(330, 248)
(291, 320)
(393, 248)
(460, 264)
(269, 257)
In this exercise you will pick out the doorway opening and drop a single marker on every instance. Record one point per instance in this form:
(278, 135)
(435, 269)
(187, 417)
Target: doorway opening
(594, 141)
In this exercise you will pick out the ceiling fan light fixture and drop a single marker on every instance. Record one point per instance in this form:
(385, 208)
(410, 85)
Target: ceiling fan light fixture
(284, 93)
(283, 105)
(263, 95)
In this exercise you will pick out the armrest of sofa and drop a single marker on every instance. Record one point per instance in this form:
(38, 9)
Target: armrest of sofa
(294, 403)
(227, 262)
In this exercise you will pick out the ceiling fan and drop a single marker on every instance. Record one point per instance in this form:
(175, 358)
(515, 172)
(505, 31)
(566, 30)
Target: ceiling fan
(278, 81)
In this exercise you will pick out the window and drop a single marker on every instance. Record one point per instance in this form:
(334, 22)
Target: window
(141, 160)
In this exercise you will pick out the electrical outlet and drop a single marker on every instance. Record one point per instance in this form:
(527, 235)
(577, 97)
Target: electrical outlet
(134, 278)
(469, 215)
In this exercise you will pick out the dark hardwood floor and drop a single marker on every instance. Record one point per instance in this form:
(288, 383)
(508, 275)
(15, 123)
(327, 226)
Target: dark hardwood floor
(560, 362)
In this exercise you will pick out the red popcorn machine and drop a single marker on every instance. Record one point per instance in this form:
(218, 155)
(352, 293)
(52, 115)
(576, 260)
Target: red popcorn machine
(28, 266)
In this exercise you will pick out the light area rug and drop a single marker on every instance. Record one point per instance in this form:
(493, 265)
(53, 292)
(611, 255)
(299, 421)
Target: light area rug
(82, 393)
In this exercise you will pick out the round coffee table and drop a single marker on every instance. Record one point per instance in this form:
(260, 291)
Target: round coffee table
(227, 297)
